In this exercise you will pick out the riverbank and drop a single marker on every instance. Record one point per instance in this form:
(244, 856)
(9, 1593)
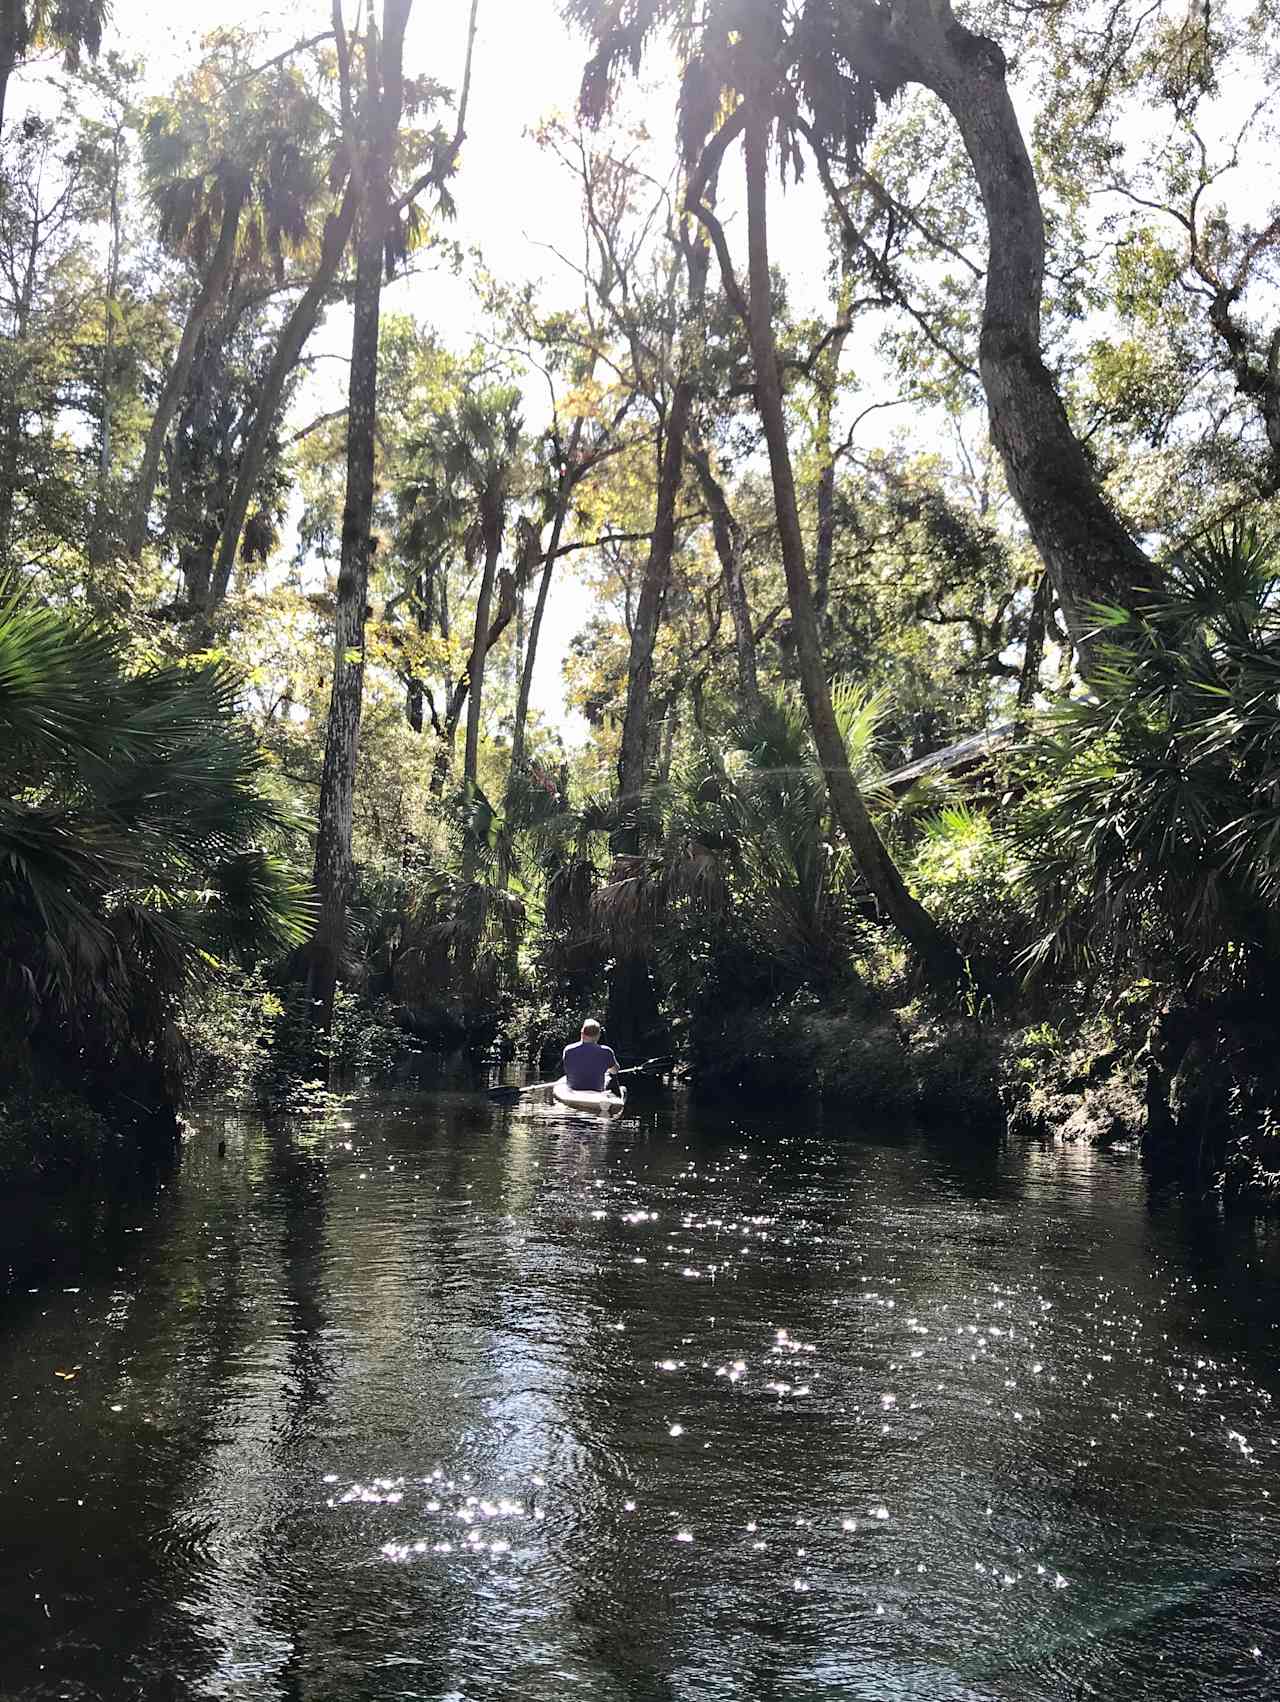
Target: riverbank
(1195, 1113)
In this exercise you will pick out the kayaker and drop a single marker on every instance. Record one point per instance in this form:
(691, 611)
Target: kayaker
(588, 1065)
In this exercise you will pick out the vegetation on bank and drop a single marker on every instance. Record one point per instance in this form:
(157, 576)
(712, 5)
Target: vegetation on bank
(277, 796)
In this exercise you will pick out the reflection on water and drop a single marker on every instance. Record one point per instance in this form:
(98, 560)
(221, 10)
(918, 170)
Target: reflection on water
(438, 1401)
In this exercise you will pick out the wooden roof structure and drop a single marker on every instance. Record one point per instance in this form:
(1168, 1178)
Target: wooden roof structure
(952, 759)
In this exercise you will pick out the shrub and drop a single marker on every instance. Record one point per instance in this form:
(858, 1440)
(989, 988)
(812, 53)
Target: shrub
(58, 1137)
(964, 875)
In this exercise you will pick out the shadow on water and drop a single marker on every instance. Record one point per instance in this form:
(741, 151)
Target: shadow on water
(427, 1399)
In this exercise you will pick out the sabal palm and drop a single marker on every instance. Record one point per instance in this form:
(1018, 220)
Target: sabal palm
(134, 836)
(237, 181)
(467, 470)
(805, 65)
(71, 26)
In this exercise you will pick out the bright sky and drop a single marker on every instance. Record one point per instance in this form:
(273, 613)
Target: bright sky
(513, 201)
(510, 197)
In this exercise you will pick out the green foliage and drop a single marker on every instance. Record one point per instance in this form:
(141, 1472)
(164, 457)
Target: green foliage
(964, 873)
(885, 1065)
(228, 1028)
(1150, 835)
(51, 1139)
(745, 899)
(226, 133)
(132, 829)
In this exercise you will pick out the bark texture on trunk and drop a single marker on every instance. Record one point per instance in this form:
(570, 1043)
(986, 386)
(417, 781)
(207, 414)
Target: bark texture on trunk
(211, 291)
(12, 43)
(458, 697)
(333, 866)
(1090, 556)
(827, 382)
(12, 411)
(878, 869)
(101, 522)
(728, 540)
(334, 875)
(293, 337)
(653, 594)
(480, 650)
(1033, 649)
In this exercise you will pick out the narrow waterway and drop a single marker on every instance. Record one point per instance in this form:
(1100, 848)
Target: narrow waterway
(425, 1399)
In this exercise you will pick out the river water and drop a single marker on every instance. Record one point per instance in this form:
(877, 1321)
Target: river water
(421, 1398)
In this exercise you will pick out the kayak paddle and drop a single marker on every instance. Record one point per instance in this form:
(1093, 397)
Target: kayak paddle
(509, 1095)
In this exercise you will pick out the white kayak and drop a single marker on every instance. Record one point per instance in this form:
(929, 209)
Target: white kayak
(602, 1104)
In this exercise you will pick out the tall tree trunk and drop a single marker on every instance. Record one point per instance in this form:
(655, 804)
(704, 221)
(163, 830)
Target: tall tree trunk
(728, 540)
(443, 760)
(11, 433)
(99, 530)
(12, 33)
(458, 697)
(215, 281)
(415, 704)
(1090, 556)
(662, 547)
(293, 337)
(480, 651)
(876, 866)
(1033, 649)
(415, 687)
(333, 866)
(12, 411)
(334, 875)
(634, 1017)
(828, 379)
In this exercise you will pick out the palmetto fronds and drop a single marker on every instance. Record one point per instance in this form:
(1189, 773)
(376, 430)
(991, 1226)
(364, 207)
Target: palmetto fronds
(135, 843)
(746, 861)
(460, 935)
(71, 25)
(1152, 834)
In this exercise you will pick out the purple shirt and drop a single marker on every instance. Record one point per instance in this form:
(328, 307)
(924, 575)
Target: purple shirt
(586, 1066)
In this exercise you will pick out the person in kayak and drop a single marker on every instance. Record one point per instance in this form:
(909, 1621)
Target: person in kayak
(588, 1065)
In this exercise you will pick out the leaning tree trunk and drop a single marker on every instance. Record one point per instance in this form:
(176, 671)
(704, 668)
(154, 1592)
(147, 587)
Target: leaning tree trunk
(293, 338)
(459, 696)
(728, 541)
(1033, 649)
(662, 547)
(211, 290)
(1090, 556)
(878, 869)
(480, 651)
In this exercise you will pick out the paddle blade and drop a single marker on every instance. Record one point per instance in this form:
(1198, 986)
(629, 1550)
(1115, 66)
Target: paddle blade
(509, 1095)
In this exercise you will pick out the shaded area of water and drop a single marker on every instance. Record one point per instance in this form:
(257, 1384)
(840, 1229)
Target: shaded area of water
(437, 1401)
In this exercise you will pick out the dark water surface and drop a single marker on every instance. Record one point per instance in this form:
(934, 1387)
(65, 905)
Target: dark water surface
(433, 1401)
